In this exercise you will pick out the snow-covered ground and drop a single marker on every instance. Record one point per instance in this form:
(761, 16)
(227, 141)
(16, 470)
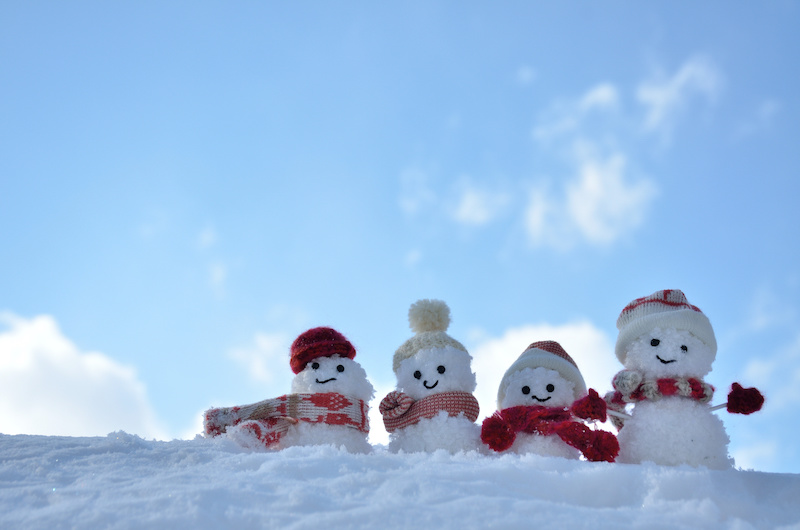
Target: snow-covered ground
(123, 481)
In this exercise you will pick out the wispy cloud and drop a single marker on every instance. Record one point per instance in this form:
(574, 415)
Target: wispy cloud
(477, 206)
(569, 116)
(600, 204)
(666, 97)
(51, 387)
(760, 119)
(416, 192)
(264, 357)
(207, 238)
(526, 75)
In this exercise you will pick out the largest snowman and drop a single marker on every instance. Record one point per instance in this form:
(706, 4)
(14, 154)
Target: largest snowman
(667, 346)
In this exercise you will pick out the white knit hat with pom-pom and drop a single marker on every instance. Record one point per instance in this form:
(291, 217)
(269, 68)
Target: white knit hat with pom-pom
(429, 319)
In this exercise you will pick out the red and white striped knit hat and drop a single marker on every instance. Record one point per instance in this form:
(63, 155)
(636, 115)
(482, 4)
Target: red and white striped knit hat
(545, 354)
(663, 309)
(318, 342)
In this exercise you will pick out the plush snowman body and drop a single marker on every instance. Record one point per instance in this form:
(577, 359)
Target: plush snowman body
(433, 371)
(322, 375)
(671, 430)
(543, 387)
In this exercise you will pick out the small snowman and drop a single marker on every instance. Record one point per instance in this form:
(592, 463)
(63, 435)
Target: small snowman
(433, 407)
(667, 346)
(541, 401)
(328, 403)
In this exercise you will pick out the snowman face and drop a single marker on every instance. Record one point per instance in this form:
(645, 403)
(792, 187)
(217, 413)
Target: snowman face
(434, 371)
(333, 374)
(669, 352)
(538, 386)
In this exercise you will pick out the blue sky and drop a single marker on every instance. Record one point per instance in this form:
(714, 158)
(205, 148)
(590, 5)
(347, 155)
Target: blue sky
(184, 188)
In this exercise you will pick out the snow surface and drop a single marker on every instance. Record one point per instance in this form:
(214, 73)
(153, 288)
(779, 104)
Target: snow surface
(123, 481)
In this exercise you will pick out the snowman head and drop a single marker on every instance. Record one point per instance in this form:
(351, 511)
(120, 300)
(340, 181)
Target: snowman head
(435, 370)
(333, 374)
(669, 352)
(538, 386)
(665, 320)
(536, 370)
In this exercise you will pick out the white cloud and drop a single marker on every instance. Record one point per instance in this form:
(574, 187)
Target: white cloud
(49, 387)
(260, 359)
(591, 349)
(666, 97)
(476, 207)
(599, 206)
(567, 117)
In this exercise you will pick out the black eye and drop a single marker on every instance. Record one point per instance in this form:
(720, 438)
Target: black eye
(655, 342)
(417, 374)
(550, 388)
(526, 390)
(440, 369)
(314, 365)
(340, 368)
(684, 348)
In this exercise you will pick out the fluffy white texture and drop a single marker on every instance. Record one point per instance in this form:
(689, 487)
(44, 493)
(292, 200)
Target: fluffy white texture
(429, 315)
(538, 386)
(678, 353)
(449, 433)
(333, 374)
(440, 370)
(306, 434)
(543, 445)
(49, 386)
(122, 481)
(674, 431)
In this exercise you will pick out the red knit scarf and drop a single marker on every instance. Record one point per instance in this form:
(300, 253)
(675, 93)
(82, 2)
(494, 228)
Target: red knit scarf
(399, 410)
(500, 430)
(273, 417)
(650, 390)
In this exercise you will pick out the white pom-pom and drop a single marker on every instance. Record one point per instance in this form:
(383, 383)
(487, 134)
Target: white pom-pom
(428, 315)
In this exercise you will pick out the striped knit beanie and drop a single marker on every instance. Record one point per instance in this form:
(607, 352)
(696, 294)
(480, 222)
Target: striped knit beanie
(663, 309)
(318, 342)
(429, 319)
(545, 354)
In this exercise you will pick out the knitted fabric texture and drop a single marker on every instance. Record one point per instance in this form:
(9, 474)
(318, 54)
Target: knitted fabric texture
(400, 410)
(429, 319)
(630, 387)
(544, 354)
(500, 430)
(275, 416)
(318, 342)
(663, 309)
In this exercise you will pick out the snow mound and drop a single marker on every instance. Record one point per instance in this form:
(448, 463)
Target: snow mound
(123, 481)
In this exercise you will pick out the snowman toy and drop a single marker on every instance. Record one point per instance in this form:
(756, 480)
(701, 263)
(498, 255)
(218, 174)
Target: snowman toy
(542, 401)
(433, 407)
(328, 404)
(667, 346)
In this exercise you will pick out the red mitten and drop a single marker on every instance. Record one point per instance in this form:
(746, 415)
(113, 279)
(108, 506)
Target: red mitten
(744, 400)
(604, 447)
(497, 433)
(590, 407)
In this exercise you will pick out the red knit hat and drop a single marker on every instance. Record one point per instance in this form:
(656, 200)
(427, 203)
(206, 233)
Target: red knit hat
(318, 342)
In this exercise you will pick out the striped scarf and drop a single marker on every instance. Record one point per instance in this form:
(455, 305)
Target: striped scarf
(630, 387)
(271, 418)
(400, 410)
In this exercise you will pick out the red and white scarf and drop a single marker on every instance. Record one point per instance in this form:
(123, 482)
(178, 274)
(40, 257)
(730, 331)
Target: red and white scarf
(400, 410)
(630, 387)
(275, 416)
(500, 430)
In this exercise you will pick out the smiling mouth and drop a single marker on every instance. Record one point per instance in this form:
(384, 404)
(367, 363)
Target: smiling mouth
(425, 384)
(326, 381)
(665, 362)
(541, 400)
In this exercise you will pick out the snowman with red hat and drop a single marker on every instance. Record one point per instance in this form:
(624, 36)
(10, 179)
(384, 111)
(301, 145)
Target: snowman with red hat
(667, 346)
(542, 404)
(433, 407)
(329, 402)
